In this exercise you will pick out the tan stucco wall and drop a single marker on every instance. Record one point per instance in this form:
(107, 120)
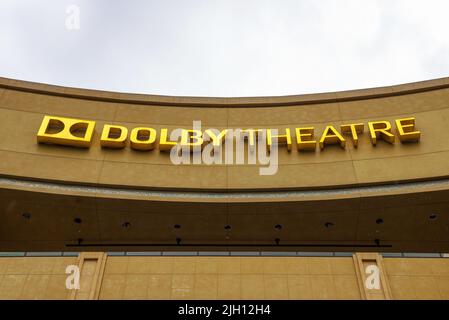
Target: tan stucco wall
(21, 114)
(34, 277)
(222, 278)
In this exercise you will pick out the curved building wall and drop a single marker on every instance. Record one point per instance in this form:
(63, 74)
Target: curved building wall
(389, 197)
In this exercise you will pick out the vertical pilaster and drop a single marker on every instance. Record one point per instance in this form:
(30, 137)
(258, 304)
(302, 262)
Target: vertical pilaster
(91, 267)
(371, 276)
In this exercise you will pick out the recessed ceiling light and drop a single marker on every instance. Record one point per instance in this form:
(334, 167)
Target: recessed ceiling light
(26, 215)
(329, 224)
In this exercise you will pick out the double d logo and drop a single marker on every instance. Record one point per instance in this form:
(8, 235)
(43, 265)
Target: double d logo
(66, 131)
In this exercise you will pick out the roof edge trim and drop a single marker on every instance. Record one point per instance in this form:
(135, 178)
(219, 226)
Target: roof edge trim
(214, 102)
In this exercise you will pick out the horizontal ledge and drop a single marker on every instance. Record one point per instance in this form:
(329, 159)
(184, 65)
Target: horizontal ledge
(229, 245)
(263, 195)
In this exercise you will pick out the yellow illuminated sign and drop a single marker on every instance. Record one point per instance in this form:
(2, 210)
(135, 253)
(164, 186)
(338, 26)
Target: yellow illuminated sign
(79, 133)
(66, 131)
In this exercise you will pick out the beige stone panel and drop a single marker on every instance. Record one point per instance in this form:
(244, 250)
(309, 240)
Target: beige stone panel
(49, 168)
(18, 266)
(147, 227)
(440, 267)
(19, 131)
(206, 287)
(116, 265)
(128, 155)
(56, 288)
(293, 176)
(272, 116)
(183, 286)
(319, 266)
(60, 264)
(229, 287)
(4, 262)
(297, 266)
(252, 265)
(331, 154)
(443, 287)
(253, 287)
(391, 106)
(182, 116)
(58, 106)
(42, 266)
(343, 266)
(206, 265)
(276, 287)
(423, 101)
(35, 287)
(160, 176)
(136, 287)
(229, 265)
(369, 109)
(184, 265)
(346, 288)
(402, 288)
(299, 287)
(161, 265)
(323, 287)
(112, 287)
(275, 266)
(159, 287)
(425, 288)
(398, 168)
(408, 267)
(139, 265)
(47, 222)
(11, 286)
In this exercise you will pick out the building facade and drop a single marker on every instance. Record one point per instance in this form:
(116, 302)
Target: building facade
(347, 199)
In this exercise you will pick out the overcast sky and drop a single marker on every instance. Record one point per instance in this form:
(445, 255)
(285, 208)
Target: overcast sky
(224, 47)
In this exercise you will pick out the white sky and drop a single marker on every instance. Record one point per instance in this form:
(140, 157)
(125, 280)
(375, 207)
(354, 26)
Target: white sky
(225, 47)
